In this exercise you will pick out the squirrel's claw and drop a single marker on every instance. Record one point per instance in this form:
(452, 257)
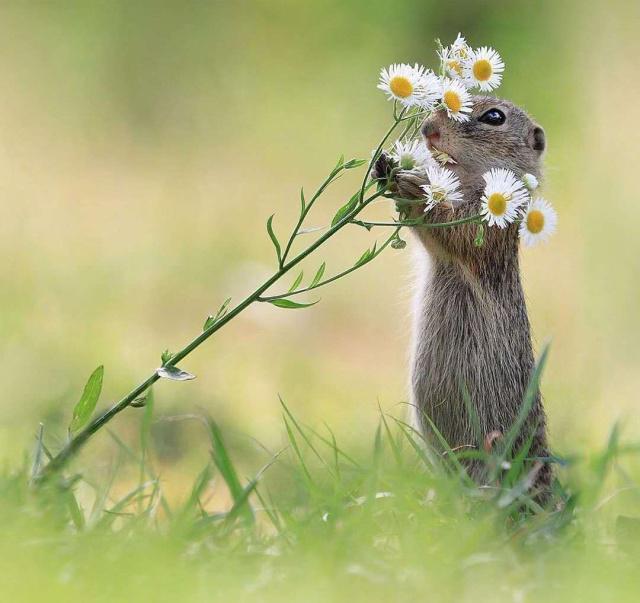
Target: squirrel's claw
(383, 167)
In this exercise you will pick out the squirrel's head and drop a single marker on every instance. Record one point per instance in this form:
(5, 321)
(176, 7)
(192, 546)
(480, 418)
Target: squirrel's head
(497, 135)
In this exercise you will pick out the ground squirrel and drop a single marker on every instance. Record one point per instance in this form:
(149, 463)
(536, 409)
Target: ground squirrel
(470, 317)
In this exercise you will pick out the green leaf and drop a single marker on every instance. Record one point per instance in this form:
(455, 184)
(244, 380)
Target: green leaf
(211, 320)
(354, 163)
(37, 459)
(347, 208)
(287, 303)
(318, 276)
(303, 203)
(367, 256)
(297, 282)
(223, 462)
(75, 511)
(174, 373)
(87, 403)
(340, 163)
(274, 239)
(311, 229)
(165, 356)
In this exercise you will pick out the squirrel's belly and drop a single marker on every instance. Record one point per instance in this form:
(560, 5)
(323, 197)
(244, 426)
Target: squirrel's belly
(465, 341)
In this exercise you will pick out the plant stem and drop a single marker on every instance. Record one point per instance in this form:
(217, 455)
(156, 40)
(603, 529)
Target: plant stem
(420, 223)
(307, 208)
(337, 276)
(376, 153)
(73, 445)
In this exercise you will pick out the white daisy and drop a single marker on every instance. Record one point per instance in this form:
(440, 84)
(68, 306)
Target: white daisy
(443, 187)
(539, 222)
(503, 196)
(453, 57)
(530, 181)
(483, 69)
(455, 99)
(412, 155)
(404, 83)
(430, 90)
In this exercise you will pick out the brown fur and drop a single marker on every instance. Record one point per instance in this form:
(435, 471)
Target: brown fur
(470, 326)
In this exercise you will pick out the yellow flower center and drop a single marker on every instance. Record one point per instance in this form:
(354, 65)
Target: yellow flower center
(482, 70)
(401, 86)
(438, 194)
(497, 204)
(452, 100)
(535, 221)
(455, 66)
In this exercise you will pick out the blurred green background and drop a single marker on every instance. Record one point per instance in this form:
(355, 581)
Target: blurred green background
(143, 145)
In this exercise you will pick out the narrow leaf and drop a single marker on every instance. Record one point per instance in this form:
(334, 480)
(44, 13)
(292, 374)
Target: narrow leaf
(77, 516)
(347, 208)
(319, 275)
(303, 203)
(354, 163)
(223, 462)
(310, 229)
(290, 305)
(529, 399)
(37, 458)
(174, 373)
(297, 282)
(274, 239)
(211, 320)
(366, 256)
(87, 403)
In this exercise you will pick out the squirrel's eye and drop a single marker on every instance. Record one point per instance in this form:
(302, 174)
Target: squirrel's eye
(493, 117)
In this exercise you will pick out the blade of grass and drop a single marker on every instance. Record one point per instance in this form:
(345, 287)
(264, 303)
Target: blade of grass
(304, 436)
(529, 398)
(222, 460)
(392, 443)
(450, 454)
(296, 449)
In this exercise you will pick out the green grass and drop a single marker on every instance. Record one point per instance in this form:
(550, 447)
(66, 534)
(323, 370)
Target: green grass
(390, 521)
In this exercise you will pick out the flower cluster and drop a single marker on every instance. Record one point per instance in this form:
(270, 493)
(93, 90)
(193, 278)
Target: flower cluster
(507, 196)
(462, 69)
(506, 199)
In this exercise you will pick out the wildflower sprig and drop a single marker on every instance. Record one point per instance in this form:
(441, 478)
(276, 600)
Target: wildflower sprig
(84, 426)
(416, 92)
(507, 196)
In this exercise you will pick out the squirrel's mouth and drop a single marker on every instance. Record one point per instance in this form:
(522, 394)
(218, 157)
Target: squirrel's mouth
(442, 157)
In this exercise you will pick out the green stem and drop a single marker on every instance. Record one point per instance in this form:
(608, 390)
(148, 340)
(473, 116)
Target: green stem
(305, 211)
(397, 120)
(421, 223)
(73, 445)
(337, 276)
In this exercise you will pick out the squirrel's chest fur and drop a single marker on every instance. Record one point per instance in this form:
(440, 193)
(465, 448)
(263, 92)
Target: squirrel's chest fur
(471, 333)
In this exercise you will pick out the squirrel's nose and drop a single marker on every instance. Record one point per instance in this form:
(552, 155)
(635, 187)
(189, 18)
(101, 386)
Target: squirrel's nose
(431, 130)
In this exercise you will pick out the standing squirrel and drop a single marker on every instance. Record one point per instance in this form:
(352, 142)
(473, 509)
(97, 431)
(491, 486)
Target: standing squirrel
(471, 327)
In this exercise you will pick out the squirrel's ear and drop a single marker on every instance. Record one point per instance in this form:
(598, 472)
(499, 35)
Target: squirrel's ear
(537, 139)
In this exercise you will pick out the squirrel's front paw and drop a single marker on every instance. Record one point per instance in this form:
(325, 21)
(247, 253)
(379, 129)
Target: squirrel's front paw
(402, 183)
(408, 184)
(382, 168)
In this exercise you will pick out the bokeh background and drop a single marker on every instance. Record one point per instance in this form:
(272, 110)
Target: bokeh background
(143, 145)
